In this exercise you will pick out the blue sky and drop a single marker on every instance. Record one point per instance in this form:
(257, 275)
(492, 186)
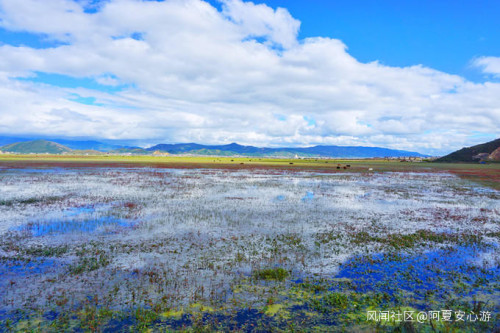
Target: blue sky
(444, 35)
(415, 75)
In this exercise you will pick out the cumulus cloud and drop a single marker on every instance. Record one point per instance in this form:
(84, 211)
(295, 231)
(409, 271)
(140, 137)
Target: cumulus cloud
(489, 65)
(262, 21)
(184, 71)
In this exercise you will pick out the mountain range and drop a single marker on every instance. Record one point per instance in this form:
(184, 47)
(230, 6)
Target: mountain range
(233, 149)
(489, 151)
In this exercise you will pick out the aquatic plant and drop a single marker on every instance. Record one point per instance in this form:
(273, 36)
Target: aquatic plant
(278, 274)
(150, 248)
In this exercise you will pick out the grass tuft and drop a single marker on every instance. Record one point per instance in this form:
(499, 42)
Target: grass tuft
(276, 274)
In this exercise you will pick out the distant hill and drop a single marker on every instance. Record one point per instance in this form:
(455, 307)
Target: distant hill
(37, 147)
(469, 154)
(356, 152)
(73, 144)
(235, 149)
(130, 150)
(58, 146)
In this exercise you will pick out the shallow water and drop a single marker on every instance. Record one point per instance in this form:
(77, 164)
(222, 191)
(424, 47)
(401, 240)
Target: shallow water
(83, 219)
(437, 271)
(10, 268)
(308, 197)
(64, 227)
(162, 240)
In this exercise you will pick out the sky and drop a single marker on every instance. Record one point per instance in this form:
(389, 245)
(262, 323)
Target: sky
(414, 75)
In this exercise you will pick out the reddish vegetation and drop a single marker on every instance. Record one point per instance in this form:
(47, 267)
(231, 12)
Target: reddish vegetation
(168, 165)
(130, 205)
(447, 214)
(488, 175)
(482, 175)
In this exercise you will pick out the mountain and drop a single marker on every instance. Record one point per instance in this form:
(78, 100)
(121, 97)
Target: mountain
(58, 146)
(220, 150)
(130, 150)
(37, 146)
(73, 144)
(356, 152)
(235, 149)
(472, 154)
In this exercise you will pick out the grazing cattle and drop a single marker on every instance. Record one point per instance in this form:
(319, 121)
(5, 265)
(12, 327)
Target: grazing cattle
(345, 168)
(338, 167)
(348, 165)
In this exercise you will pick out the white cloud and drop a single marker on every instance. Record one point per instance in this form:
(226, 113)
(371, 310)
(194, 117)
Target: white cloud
(107, 80)
(196, 74)
(489, 65)
(262, 21)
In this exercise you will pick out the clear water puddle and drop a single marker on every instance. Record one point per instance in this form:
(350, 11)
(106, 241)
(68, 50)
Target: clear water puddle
(84, 219)
(279, 198)
(438, 271)
(65, 227)
(23, 268)
(308, 197)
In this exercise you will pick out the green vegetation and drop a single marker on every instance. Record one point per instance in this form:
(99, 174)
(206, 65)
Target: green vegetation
(45, 251)
(330, 301)
(28, 201)
(277, 274)
(89, 264)
(90, 258)
(419, 238)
